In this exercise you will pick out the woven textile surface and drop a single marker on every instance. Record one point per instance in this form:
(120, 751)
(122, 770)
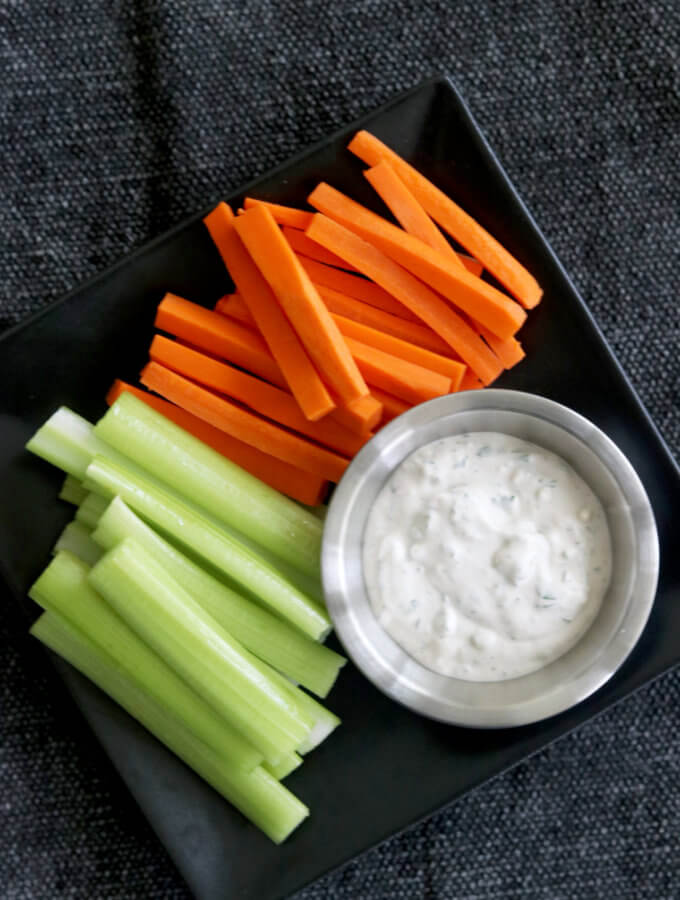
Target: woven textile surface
(120, 118)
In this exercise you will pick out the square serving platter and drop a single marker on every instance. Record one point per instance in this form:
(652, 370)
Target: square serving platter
(384, 768)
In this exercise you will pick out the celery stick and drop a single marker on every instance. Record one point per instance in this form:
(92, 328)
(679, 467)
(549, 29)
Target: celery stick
(257, 794)
(284, 767)
(63, 588)
(325, 722)
(167, 618)
(266, 636)
(205, 477)
(91, 509)
(72, 491)
(76, 539)
(308, 584)
(68, 441)
(201, 536)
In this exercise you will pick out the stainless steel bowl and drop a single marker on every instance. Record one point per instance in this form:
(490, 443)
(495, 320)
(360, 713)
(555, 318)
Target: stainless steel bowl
(601, 650)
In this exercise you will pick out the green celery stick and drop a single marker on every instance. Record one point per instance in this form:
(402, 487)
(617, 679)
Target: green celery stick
(324, 720)
(68, 441)
(257, 794)
(214, 483)
(265, 635)
(170, 621)
(76, 539)
(308, 584)
(204, 538)
(91, 509)
(284, 767)
(72, 491)
(63, 588)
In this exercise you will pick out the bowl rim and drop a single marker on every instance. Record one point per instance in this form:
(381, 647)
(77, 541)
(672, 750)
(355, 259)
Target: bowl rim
(562, 695)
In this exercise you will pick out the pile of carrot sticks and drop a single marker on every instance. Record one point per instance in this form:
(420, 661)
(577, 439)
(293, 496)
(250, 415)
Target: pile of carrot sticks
(340, 320)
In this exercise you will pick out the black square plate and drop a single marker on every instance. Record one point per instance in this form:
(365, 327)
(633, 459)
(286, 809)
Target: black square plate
(385, 768)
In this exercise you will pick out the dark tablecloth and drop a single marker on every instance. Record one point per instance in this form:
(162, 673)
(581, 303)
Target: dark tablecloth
(120, 118)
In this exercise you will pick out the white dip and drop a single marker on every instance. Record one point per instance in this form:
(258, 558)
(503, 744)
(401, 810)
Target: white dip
(486, 557)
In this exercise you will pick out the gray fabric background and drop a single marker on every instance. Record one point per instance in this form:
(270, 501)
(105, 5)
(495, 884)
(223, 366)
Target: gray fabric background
(119, 118)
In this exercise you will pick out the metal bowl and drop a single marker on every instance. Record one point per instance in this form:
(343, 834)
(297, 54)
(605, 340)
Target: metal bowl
(604, 646)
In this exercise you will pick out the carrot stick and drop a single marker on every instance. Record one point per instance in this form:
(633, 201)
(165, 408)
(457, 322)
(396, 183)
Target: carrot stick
(354, 286)
(509, 351)
(449, 368)
(410, 214)
(392, 406)
(434, 311)
(241, 424)
(454, 220)
(301, 302)
(209, 331)
(414, 332)
(304, 245)
(234, 306)
(483, 302)
(361, 415)
(261, 397)
(407, 211)
(279, 335)
(283, 477)
(294, 233)
(470, 382)
(406, 380)
(283, 215)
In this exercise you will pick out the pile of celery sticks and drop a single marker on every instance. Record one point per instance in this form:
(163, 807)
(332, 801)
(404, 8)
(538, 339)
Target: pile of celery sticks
(189, 591)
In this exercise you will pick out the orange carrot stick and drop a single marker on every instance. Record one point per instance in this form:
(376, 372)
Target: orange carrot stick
(410, 214)
(283, 215)
(283, 477)
(261, 397)
(434, 311)
(305, 246)
(361, 415)
(407, 211)
(209, 331)
(279, 335)
(483, 302)
(241, 424)
(296, 220)
(392, 406)
(470, 382)
(414, 332)
(234, 306)
(301, 302)
(454, 220)
(449, 368)
(406, 380)
(354, 286)
(509, 351)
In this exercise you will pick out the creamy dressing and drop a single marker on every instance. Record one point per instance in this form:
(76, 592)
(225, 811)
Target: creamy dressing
(486, 557)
